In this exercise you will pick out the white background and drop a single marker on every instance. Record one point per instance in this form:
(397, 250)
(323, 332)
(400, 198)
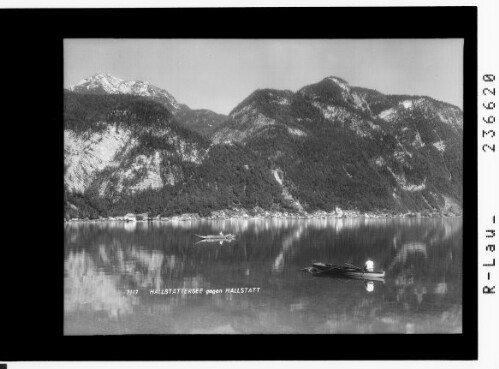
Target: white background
(488, 184)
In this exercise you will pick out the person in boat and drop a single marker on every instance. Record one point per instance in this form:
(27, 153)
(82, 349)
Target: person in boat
(221, 234)
(369, 266)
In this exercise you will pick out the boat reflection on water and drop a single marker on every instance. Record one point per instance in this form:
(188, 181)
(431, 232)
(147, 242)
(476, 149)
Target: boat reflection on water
(421, 291)
(356, 278)
(369, 286)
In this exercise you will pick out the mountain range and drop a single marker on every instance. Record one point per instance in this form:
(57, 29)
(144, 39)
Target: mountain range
(129, 146)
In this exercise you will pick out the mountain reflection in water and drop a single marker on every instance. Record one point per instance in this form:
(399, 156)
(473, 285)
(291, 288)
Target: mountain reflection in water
(422, 292)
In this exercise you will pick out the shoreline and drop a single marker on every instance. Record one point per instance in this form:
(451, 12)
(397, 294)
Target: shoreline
(243, 214)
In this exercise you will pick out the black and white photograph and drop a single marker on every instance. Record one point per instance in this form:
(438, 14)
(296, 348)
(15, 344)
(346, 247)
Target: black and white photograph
(208, 184)
(263, 186)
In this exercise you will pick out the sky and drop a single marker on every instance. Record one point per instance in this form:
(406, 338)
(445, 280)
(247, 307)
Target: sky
(218, 74)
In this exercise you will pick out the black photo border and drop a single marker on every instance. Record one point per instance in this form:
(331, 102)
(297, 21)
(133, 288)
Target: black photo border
(32, 322)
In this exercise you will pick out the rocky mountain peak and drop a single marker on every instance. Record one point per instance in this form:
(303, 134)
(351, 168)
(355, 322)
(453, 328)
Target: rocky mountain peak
(105, 83)
(339, 82)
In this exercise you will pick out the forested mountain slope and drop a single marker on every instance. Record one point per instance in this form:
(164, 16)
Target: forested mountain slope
(130, 148)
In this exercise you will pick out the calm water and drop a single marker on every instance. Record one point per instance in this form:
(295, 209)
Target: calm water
(422, 291)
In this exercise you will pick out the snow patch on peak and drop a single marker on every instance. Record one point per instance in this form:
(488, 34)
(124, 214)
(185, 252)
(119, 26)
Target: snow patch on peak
(439, 145)
(388, 114)
(296, 132)
(407, 104)
(391, 114)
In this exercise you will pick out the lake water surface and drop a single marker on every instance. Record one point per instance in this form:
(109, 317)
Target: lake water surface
(111, 269)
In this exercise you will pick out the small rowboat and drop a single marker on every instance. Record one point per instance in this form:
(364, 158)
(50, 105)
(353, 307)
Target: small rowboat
(345, 271)
(215, 240)
(217, 236)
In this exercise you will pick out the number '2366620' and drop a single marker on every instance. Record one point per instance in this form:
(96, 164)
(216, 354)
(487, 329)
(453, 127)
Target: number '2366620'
(490, 119)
